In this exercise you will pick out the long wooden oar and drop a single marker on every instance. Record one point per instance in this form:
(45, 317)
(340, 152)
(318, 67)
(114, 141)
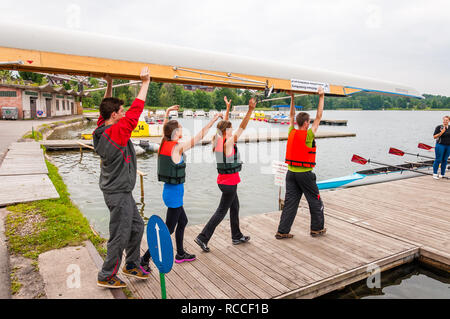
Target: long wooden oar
(361, 160)
(395, 151)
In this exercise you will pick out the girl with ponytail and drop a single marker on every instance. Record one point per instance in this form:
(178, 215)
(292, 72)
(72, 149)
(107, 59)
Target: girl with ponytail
(228, 167)
(171, 171)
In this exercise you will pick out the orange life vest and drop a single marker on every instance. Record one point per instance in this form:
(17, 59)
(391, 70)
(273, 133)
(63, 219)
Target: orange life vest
(297, 153)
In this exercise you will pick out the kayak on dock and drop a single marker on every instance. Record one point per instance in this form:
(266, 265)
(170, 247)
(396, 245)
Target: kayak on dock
(378, 175)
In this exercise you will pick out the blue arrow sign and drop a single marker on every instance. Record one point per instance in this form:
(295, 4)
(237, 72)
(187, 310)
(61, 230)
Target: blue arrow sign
(160, 244)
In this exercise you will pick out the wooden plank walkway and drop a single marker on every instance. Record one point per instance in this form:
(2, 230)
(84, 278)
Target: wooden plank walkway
(385, 225)
(414, 210)
(23, 175)
(269, 268)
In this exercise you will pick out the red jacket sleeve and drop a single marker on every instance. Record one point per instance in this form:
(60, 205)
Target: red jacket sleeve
(100, 121)
(121, 131)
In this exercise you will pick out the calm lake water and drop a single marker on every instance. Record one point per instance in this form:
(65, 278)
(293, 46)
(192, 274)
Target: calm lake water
(376, 131)
(411, 281)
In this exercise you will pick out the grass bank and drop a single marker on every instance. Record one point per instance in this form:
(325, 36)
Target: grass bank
(36, 227)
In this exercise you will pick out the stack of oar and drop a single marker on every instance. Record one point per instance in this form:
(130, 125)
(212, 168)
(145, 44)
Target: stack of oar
(394, 151)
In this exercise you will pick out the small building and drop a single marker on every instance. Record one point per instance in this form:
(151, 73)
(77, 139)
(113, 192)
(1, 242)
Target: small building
(40, 101)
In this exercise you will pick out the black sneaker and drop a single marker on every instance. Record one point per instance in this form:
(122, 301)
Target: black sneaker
(145, 266)
(241, 240)
(202, 244)
(185, 257)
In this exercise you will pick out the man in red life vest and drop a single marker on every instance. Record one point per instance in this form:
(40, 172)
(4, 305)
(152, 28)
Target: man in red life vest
(301, 159)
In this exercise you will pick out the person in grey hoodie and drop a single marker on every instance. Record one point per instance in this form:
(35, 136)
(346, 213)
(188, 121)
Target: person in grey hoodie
(117, 179)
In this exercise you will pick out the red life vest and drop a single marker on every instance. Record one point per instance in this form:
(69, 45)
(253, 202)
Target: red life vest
(297, 153)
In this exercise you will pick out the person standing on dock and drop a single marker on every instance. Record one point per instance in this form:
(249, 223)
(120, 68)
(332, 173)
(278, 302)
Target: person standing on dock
(442, 148)
(301, 159)
(172, 171)
(117, 180)
(228, 167)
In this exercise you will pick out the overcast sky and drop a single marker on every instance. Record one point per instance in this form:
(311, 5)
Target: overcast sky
(404, 41)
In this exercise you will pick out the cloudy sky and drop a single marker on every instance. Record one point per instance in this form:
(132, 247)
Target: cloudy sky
(404, 41)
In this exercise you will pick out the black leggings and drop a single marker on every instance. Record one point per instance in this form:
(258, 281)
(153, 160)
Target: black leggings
(176, 217)
(228, 201)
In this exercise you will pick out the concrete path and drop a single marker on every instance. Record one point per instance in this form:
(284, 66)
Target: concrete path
(5, 285)
(70, 273)
(11, 131)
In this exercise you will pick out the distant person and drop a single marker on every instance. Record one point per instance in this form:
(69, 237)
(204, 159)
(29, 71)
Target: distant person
(228, 167)
(172, 171)
(301, 159)
(117, 179)
(442, 148)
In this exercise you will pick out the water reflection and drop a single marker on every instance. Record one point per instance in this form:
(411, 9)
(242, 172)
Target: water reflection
(411, 281)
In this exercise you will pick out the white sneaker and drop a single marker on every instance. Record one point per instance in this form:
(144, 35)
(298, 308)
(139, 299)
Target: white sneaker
(436, 176)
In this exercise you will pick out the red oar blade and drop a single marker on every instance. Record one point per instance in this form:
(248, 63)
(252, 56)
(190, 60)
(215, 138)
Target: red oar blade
(359, 160)
(395, 151)
(424, 146)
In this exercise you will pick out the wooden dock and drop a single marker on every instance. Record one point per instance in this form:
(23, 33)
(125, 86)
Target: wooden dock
(23, 175)
(382, 225)
(332, 122)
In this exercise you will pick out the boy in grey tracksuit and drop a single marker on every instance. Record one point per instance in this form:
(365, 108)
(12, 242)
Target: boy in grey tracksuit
(117, 179)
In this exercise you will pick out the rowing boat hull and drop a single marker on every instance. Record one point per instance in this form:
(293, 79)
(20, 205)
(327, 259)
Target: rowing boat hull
(359, 179)
(74, 52)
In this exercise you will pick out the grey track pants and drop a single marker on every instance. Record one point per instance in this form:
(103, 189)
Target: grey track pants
(298, 184)
(126, 228)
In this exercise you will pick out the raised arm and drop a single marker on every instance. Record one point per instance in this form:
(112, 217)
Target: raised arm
(292, 110)
(129, 122)
(172, 108)
(108, 93)
(109, 86)
(197, 138)
(319, 114)
(228, 104)
(230, 142)
(145, 77)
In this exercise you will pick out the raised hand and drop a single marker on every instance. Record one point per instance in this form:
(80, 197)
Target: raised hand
(217, 116)
(108, 78)
(320, 91)
(228, 103)
(173, 108)
(252, 104)
(145, 74)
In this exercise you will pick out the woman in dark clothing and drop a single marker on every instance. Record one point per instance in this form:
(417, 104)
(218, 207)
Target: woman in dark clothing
(442, 149)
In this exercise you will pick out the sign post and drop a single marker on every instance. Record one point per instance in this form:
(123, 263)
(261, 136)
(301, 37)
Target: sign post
(279, 169)
(161, 249)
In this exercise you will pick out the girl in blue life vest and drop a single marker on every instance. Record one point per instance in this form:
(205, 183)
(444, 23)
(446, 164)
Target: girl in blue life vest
(171, 171)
